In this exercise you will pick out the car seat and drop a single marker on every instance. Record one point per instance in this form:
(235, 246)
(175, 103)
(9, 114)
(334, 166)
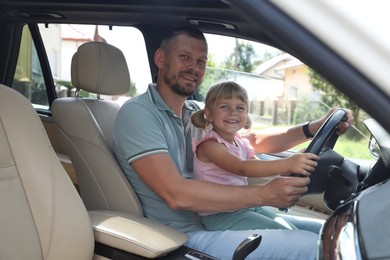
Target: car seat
(42, 215)
(85, 126)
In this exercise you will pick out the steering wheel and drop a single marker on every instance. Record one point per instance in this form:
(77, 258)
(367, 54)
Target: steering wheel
(322, 144)
(326, 135)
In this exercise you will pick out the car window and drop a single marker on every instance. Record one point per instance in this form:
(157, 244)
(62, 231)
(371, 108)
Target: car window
(28, 78)
(61, 42)
(282, 90)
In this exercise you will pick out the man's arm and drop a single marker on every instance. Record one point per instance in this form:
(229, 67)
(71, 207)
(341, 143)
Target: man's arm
(281, 139)
(161, 175)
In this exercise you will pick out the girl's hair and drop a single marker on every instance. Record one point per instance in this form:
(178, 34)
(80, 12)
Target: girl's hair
(224, 89)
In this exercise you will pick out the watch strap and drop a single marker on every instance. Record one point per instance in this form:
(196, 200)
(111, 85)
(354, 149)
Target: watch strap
(306, 130)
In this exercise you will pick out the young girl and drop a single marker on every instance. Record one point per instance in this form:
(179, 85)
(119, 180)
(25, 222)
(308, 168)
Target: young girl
(222, 156)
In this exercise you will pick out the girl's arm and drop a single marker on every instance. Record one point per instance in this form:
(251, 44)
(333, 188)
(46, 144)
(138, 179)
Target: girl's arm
(211, 151)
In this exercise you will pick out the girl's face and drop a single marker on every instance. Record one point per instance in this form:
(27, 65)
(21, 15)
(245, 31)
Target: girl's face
(228, 117)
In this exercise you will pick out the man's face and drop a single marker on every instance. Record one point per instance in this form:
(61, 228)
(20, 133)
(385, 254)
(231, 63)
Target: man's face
(185, 64)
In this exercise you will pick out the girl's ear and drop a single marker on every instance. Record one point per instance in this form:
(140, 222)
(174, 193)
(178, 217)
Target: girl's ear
(248, 123)
(208, 115)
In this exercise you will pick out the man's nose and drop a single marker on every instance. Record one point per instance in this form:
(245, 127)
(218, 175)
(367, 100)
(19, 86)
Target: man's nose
(193, 65)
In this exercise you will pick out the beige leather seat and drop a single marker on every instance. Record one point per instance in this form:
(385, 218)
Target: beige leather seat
(42, 215)
(85, 127)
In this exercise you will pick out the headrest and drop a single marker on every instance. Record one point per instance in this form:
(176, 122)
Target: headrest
(100, 68)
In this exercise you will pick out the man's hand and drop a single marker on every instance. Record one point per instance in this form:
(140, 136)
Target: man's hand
(342, 127)
(284, 192)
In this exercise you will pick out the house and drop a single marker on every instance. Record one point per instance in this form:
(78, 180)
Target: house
(72, 37)
(296, 85)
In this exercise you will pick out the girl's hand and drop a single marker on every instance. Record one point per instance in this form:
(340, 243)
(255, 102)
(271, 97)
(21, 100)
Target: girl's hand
(301, 163)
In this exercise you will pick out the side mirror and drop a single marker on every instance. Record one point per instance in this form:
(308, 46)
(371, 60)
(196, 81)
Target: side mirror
(373, 147)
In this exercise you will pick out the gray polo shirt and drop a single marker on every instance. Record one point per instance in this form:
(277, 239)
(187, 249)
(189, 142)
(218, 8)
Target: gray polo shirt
(146, 126)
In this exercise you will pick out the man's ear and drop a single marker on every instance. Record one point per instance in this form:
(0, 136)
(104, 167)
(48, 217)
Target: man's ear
(159, 58)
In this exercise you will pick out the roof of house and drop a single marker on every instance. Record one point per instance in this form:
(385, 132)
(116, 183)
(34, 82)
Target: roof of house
(71, 32)
(273, 67)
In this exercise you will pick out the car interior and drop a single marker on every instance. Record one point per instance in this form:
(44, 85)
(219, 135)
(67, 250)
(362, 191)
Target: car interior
(60, 203)
(109, 206)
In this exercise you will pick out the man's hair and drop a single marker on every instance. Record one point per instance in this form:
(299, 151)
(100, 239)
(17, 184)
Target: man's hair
(186, 30)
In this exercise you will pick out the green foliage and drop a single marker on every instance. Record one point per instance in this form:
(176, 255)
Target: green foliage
(84, 93)
(132, 91)
(243, 58)
(212, 76)
(346, 147)
(65, 83)
(353, 149)
(268, 55)
(307, 110)
(335, 98)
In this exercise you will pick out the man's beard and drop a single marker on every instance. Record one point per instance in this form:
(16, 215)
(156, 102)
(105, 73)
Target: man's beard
(179, 89)
(183, 91)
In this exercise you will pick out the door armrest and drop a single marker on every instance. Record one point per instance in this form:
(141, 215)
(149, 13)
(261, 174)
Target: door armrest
(135, 234)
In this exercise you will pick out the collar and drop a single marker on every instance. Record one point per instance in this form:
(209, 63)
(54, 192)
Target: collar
(161, 105)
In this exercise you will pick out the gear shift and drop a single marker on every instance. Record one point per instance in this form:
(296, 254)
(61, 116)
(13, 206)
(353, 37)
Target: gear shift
(247, 246)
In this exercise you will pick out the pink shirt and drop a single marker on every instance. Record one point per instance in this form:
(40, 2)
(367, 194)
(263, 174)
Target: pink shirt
(213, 173)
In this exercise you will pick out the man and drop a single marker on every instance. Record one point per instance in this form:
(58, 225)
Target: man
(152, 142)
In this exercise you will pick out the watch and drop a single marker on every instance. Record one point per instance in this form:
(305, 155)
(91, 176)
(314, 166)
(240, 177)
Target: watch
(306, 130)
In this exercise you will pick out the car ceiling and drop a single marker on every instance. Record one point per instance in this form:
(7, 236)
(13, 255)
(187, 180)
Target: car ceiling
(213, 16)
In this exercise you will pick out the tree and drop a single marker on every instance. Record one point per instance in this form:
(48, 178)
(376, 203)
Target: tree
(334, 97)
(213, 75)
(243, 58)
